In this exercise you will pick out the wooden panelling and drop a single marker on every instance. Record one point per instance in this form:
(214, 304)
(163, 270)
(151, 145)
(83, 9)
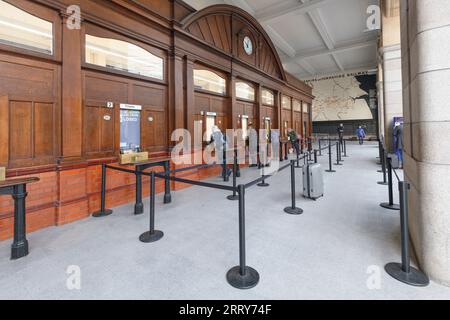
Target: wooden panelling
(21, 139)
(215, 30)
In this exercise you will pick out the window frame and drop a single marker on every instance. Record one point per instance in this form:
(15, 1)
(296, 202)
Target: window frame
(43, 13)
(218, 73)
(273, 94)
(92, 30)
(290, 102)
(250, 85)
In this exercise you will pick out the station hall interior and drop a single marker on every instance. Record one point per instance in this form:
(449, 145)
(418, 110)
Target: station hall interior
(224, 149)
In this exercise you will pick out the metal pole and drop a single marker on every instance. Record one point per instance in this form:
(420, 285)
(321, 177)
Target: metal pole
(390, 205)
(315, 156)
(330, 161)
(103, 212)
(320, 147)
(383, 168)
(263, 183)
(234, 196)
(152, 235)
(337, 154)
(242, 276)
(293, 208)
(404, 272)
(345, 149)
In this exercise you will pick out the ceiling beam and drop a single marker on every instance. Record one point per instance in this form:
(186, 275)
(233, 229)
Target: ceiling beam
(321, 27)
(285, 7)
(345, 48)
(279, 42)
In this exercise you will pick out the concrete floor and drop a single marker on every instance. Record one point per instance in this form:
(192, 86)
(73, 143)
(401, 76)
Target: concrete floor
(336, 250)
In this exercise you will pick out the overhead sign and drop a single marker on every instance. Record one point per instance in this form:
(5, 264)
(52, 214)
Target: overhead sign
(127, 106)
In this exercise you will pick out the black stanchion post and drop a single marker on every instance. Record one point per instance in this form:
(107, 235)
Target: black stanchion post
(224, 165)
(320, 147)
(315, 156)
(390, 205)
(383, 168)
(345, 149)
(330, 161)
(337, 155)
(403, 271)
(242, 276)
(152, 235)
(103, 211)
(293, 208)
(234, 196)
(263, 183)
(238, 168)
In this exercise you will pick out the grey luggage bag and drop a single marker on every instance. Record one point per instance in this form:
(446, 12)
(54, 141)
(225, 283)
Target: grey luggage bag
(313, 181)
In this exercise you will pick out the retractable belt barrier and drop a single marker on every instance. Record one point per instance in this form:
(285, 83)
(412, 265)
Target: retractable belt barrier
(241, 276)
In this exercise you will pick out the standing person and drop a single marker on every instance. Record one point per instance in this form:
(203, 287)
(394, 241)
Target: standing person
(398, 133)
(340, 132)
(275, 144)
(361, 134)
(220, 146)
(252, 146)
(293, 138)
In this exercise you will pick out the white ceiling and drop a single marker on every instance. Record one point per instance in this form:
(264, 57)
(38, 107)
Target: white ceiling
(314, 37)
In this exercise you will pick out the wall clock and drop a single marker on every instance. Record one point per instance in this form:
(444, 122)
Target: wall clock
(248, 45)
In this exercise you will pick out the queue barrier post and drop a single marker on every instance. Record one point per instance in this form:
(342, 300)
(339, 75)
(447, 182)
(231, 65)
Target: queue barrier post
(293, 208)
(345, 149)
(315, 156)
(234, 196)
(330, 161)
(383, 168)
(263, 183)
(242, 276)
(338, 151)
(403, 271)
(320, 147)
(152, 235)
(103, 211)
(390, 205)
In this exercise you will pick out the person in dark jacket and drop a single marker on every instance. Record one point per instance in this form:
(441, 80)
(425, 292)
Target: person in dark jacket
(361, 134)
(398, 133)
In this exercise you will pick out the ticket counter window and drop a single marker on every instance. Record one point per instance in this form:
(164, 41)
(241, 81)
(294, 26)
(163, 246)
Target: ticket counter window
(123, 56)
(245, 91)
(244, 121)
(130, 129)
(209, 81)
(20, 29)
(285, 128)
(267, 97)
(210, 123)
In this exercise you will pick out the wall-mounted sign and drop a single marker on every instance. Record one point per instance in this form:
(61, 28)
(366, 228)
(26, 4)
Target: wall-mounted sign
(211, 114)
(127, 106)
(150, 119)
(130, 130)
(243, 116)
(107, 117)
(110, 105)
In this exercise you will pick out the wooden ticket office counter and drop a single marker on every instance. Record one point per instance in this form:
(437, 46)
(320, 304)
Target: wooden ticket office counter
(62, 85)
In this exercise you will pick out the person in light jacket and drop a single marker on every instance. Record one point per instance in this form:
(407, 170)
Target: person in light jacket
(361, 134)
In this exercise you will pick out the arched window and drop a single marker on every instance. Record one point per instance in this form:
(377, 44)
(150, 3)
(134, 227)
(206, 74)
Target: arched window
(268, 98)
(23, 30)
(123, 56)
(296, 105)
(286, 103)
(209, 81)
(245, 91)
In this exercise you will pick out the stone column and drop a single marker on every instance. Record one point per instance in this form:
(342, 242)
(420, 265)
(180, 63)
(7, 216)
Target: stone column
(392, 90)
(425, 26)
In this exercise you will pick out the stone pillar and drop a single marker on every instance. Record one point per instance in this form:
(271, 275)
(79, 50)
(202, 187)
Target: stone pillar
(392, 90)
(425, 26)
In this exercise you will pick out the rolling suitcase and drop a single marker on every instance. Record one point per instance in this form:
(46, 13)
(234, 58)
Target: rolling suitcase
(313, 181)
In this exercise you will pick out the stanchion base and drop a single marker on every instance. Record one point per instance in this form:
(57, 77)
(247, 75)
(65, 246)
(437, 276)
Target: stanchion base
(338, 164)
(414, 277)
(380, 171)
(148, 237)
(263, 184)
(247, 281)
(233, 197)
(390, 206)
(331, 171)
(100, 214)
(294, 211)
(19, 250)
(382, 183)
(167, 198)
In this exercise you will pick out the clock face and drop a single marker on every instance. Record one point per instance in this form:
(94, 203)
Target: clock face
(248, 45)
